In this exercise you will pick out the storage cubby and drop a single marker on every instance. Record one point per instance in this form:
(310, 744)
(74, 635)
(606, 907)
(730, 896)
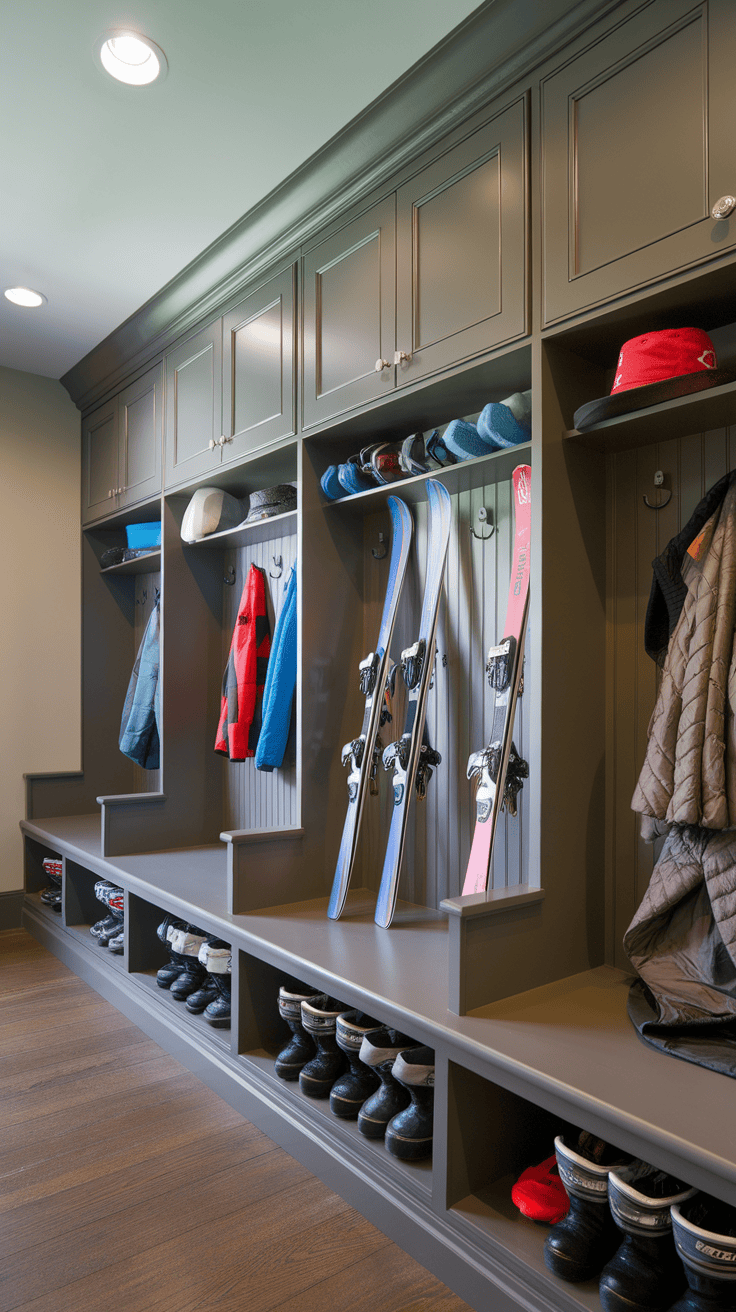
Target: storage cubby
(82, 910)
(262, 1035)
(146, 953)
(35, 877)
(492, 1136)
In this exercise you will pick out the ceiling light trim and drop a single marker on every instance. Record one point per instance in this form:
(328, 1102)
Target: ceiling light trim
(20, 296)
(114, 67)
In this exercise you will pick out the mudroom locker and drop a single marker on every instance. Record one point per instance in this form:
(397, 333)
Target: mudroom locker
(525, 201)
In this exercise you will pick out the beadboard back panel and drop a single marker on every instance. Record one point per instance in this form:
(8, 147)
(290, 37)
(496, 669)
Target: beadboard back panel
(147, 588)
(636, 535)
(460, 705)
(254, 799)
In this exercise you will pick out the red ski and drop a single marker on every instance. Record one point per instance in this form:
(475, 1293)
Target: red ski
(498, 766)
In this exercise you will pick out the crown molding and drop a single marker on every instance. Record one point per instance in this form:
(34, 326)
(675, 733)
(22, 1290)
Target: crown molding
(500, 43)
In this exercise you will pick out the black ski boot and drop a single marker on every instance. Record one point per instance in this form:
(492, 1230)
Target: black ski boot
(349, 1093)
(379, 1051)
(185, 945)
(103, 891)
(217, 957)
(705, 1236)
(166, 975)
(113, 930)
(301, 1046)
(578, 1247)
(320, 1020)
(409, 1133)
(644, 1275)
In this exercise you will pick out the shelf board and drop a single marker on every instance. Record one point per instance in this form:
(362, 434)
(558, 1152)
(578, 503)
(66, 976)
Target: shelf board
(244, 535)
(147, 564)
(497, 467)
(700, 412)
(113, 959)
(491, 1216)
(197, 1024)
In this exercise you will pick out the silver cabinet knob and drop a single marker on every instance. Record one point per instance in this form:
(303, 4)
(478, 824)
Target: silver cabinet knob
(401, 356)
(212, 444)
(723, 207)
(223, 441)
(110, 493)
(382, 364)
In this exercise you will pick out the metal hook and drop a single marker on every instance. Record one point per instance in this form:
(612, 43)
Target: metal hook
(143, 598)
(381, 550)
(278, 562)
(229, 576)
(483, 519)
(658, 482)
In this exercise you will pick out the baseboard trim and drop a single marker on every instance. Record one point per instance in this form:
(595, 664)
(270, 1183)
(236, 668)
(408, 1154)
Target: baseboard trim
(11, 908)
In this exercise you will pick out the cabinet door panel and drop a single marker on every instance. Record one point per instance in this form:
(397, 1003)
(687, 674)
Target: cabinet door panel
(100, 462)
(349, 308)
(632, 155)
(461, 246)
(141, 437)
(194, 406)
(259, 368)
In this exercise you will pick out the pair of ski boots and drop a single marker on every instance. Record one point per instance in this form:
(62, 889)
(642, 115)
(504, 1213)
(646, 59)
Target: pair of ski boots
(627, 1224)
(379, 1076)
(51, 895)
(198, 972)
(110, 930)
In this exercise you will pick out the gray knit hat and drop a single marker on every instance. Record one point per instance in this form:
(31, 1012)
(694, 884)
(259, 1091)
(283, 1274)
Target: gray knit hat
(271, 501)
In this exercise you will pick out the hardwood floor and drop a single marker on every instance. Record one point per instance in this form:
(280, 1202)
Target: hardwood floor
(126, 1183)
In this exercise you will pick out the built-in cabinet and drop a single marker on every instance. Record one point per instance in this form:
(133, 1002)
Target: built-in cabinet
(467, 272)
(122, 448)
(638, 131)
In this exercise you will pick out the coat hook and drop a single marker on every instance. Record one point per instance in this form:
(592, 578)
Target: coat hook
(143, 598)
(482, 519)
(278, 562)
(229, 576)
(658, 482)
(381, 550)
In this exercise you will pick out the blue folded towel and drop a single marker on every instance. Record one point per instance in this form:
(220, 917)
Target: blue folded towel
(498, 426)
(278, 693)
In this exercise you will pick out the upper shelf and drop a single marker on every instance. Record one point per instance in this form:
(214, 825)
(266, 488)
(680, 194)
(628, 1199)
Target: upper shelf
(697, 413)
(494, 468)
(147, 564)
(261, 531)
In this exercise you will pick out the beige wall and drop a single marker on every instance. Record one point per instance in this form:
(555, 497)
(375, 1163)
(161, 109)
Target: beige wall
(40, 630)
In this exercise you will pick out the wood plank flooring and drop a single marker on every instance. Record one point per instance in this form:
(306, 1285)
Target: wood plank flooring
(126, 1183)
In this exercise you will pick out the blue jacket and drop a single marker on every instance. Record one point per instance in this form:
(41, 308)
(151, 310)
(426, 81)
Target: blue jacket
(139, 727)
(278, 693)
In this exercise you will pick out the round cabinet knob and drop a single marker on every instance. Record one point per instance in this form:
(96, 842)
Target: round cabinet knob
(213, 444)
(401, 356)
(723, 207)
(382, 364)
(224, 440)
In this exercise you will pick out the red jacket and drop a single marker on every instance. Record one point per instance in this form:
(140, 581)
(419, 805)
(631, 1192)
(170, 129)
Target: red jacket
(245, 673)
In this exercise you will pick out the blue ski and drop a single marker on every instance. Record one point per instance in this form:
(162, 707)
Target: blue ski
(412, 759)
(363, 753)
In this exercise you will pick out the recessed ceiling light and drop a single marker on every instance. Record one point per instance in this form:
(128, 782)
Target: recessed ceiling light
(131, 57)
(24, 296)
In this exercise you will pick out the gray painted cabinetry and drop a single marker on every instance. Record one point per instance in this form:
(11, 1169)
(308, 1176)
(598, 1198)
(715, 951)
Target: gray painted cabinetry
(638, 146)
(194, 406)
(259, 368)
(122, 447)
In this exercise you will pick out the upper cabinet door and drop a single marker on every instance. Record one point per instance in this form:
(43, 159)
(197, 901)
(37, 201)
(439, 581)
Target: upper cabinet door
(194, 406)
(638, 134)
(141, 437)
(349, 315)
(461, 249)
(259, 375)
(100, 462)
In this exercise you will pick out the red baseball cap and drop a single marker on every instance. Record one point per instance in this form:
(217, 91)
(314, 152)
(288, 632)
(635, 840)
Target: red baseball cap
(656, 367)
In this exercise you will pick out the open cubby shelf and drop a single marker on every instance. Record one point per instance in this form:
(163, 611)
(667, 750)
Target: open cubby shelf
(375, 1153)
(114, 960)
(147, 564)
(198, 1026)
(496, 467)
(699, 412)
(245, 535)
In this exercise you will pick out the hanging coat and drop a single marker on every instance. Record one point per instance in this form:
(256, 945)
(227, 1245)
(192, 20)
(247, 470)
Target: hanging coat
(280, 685)
(245, 673)
(140, 725)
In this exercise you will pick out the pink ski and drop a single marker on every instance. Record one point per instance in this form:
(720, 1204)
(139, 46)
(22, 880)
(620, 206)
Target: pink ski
(499, 768)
